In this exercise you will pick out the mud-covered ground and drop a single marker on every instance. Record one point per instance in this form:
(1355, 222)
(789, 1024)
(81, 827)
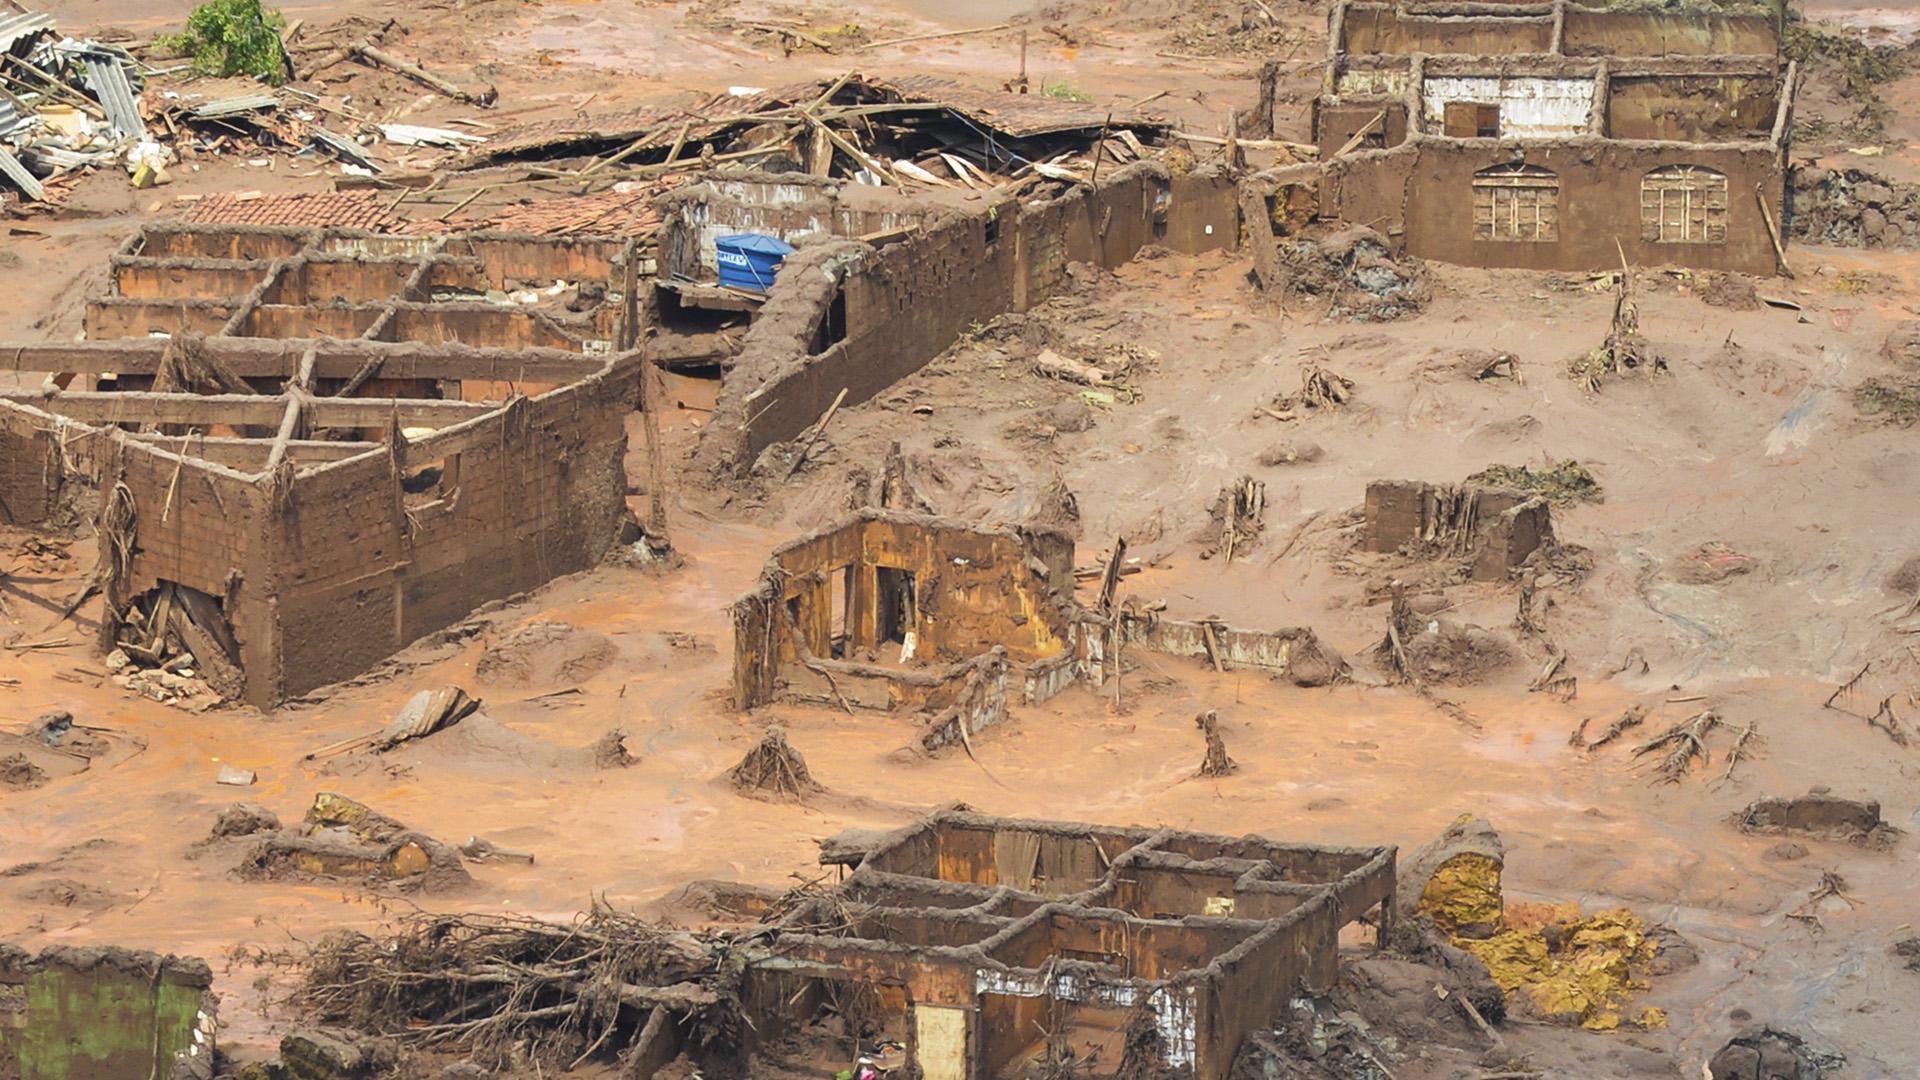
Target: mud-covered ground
(1748, 458)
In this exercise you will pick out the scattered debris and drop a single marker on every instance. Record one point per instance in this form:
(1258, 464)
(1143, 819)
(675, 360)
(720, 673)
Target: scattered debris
(1909, 950)
(1710, 564)
(1216, 763)
(1290, 453)
(1851, 207)
(328, 1053)
(235, 777)
(1554, 680)
(485, 850)
(1884, 717)
(18, 772)
(773, 769)
(1766, 1053)
(1563, 484)
(174, 645)
(244, 819)
(425, 713)
(345, 840)
(1355, 271)
(1894, 399)
(1237, 517)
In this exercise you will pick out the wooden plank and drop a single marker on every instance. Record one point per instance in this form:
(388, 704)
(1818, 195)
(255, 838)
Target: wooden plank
(127, 408)
(266, 358)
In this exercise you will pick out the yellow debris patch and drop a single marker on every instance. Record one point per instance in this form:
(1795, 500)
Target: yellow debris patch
(1464, 892)
(1571, 970)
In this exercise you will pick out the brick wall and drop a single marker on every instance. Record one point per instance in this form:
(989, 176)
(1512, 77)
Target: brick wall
(363, 570)
(27, 449)
(908, 301)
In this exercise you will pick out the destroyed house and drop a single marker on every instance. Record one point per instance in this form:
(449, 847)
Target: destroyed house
(1161, 950)
(1555, 136)
(307, 448)
(890, 610)
(908, 612)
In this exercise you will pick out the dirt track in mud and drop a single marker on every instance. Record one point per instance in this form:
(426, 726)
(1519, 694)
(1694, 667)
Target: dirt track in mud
(1751, 441)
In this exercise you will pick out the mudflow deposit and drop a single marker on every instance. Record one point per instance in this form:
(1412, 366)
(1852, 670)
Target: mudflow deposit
(731, 538)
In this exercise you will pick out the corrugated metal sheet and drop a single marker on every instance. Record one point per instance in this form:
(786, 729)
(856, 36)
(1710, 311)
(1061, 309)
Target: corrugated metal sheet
(1530, 107)
(107, 78)
(343, 147)
(13, 28)
(11, 168)
(234, 106)
(11, 119)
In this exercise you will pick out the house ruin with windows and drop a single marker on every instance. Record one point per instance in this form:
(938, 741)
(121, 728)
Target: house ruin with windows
(1555, 136)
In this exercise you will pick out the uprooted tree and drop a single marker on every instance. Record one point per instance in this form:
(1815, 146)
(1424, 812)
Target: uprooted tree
(1624, 349)
(1216, 763)
(774, 769)
(507, 988)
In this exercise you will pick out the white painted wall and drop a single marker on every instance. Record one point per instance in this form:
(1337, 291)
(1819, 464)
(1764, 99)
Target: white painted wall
(1530, 107)
(1370, 83)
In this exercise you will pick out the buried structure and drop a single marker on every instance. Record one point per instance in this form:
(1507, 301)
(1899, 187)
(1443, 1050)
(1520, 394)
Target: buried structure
(892, 610)
(980, 935)
(966, 938)
(307, 448)
(1554, 136)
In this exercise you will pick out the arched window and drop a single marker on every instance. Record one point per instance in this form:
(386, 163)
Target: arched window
(1516, 202)
(1683, 204)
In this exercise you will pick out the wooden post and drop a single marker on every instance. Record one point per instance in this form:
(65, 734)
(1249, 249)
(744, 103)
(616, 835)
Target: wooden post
(818, 430)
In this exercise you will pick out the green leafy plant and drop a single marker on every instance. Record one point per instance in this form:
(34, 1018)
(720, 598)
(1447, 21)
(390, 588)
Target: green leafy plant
(1064, 90)
(234, 37)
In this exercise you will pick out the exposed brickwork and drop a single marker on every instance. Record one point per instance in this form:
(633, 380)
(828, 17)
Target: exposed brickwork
(339, 542)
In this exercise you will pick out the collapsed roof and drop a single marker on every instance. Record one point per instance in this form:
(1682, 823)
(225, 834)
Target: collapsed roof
(916, 113)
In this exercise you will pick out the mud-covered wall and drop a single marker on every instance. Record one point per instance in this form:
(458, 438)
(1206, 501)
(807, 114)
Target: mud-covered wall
(103, 1014)
(905, 303)
(1660, 33)
(1384, 30)
(1370, 29)
(30, 471)
(1692, 108)
(527, 494)
(1421, 194)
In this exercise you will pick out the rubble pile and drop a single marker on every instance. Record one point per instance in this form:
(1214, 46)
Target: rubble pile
(73, 105)
(67, 105)
(1853, 208)
(345, 840)
(174, 646)
(1354, 268)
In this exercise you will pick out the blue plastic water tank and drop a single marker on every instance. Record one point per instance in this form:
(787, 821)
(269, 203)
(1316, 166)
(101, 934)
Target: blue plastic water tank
(749, 260)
